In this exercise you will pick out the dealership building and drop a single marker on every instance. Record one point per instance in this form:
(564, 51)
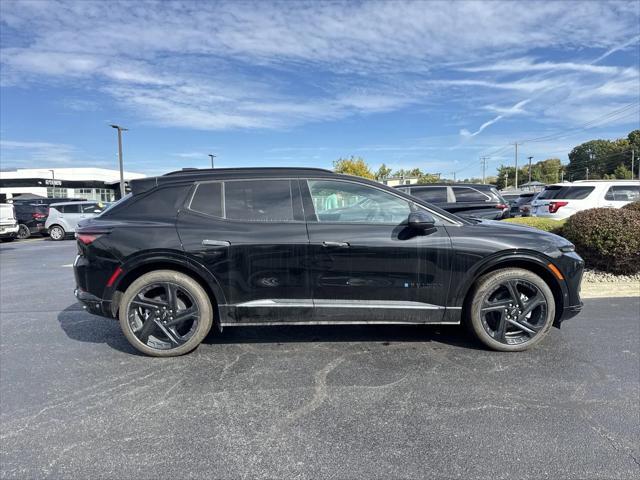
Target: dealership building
(89, 183)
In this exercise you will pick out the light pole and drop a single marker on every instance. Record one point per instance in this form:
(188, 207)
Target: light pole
(212, 156)
(120, 130)
(530, 158)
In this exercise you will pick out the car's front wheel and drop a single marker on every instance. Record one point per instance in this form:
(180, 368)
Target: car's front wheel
(165, 313)
(511, 310)
(57, 233)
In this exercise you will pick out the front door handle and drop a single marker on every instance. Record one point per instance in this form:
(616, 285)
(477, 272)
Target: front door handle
(215, 243)
(335, 244)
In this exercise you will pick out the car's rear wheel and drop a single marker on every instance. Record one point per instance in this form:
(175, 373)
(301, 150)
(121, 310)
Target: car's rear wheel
(511, 310)
(165, 313)
(57, 233)
(23, 232)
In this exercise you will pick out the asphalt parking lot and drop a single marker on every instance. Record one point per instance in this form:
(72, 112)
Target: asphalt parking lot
(306, 402)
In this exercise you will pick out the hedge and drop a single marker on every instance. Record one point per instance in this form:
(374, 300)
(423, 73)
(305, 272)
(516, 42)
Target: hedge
(546, 224)
(634, 207)
(607, 238)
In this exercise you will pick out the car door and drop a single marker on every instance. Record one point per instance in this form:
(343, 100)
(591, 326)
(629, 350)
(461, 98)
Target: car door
(69, 216)
(366, 264)
(251, 236)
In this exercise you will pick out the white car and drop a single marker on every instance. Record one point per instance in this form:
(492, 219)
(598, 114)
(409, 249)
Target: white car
(8, 223)
(64, 217)
(561, 200)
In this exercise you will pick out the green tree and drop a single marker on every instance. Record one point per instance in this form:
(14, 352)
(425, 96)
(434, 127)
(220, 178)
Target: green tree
(383, 172)
(622, 172)
(428, 178)
(353, 166)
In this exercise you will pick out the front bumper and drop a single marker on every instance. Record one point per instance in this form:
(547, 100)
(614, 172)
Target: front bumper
(9, 231)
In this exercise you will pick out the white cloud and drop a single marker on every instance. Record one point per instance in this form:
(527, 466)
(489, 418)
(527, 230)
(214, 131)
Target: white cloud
(230, 65)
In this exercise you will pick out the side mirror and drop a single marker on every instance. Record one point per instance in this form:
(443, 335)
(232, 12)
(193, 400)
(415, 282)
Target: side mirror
(421, 220)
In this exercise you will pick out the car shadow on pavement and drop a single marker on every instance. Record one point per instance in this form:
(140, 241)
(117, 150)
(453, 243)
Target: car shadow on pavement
(82, 326)
(454, 335)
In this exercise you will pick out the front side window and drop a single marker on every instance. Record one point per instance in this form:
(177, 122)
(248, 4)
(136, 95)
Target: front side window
(623, 193)
(208, 199)
(92, 207)
(337, 201)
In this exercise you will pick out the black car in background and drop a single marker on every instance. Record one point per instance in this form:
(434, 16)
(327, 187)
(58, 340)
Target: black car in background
(31, 219)
(468, 199)
(191, 250)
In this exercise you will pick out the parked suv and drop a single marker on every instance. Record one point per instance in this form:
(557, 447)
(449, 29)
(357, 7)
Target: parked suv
(31, 219)
(64, 217)
(469, 199)
(190, 250)
(8, 224)
(562, 200)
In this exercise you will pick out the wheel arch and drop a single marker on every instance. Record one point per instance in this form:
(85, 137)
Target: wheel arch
(145, 265)
(531, 263)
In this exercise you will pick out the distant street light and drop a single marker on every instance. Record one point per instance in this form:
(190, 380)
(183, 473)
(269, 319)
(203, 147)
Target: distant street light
(53, 174)
(120, 130)
(212, 156)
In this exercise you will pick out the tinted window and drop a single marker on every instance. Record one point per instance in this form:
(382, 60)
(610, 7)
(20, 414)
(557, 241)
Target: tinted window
(336, 201)
(431, 194)
(565, 193)
(258, 200)
(468, 194)
(208, 199)
(623, 193)
(69, 208)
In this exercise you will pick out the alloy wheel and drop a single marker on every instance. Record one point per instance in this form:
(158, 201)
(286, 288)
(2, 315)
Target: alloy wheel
(56, 233)
(514, 312)
(163, 315)
(23, 232)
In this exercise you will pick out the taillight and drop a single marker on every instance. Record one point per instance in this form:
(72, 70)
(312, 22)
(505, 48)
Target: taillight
(38, 216)
(501, 206)
(87, 238)
(554, 206)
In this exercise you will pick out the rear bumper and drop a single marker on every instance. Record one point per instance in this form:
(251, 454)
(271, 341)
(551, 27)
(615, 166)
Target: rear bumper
(9, 231)
(93, 304)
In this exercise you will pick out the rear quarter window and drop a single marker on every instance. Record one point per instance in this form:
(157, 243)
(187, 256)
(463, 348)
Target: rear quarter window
(623, 193)
(468, 194)
(208, 199)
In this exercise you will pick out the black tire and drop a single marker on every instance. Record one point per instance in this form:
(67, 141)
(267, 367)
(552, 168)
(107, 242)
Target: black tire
(57, 233)
(8, 239)
(502, 323)
(23, 232)
(157, 343)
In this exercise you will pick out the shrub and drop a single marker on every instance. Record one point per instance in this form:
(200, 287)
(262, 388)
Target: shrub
(546, 224)
(634, 207)
(608, 239)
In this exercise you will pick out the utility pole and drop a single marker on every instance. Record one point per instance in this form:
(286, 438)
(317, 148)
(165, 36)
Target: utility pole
(530, 158)
(591, 157)
(484, 167)
(506, 180)
(587, 173)
(212, 156)
(515, 185)
(561, 176)
(120, 130)
(632, 164)
(454, 177)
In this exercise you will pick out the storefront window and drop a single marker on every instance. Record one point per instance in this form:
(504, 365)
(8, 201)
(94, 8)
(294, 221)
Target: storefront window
(57, 192)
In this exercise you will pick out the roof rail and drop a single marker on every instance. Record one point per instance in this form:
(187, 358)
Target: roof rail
(203, 171)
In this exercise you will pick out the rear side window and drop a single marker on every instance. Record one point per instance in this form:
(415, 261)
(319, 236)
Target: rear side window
(468, 194)
(623, 193)
(565, 193)
(69, 208)
(208, 199)
(431, 194)
(92, 208)
(259, 200)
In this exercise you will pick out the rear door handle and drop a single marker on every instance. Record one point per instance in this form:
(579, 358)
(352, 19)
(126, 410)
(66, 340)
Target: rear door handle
(335, 244)
(215, 243)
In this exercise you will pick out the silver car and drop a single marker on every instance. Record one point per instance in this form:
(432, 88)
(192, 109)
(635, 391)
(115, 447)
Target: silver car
(64, 217)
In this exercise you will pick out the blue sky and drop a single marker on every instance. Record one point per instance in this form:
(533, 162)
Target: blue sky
(433, 85)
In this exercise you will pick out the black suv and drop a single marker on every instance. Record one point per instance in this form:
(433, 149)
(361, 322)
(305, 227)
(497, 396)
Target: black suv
(223, 247)
(31, 218)
(468, 199)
